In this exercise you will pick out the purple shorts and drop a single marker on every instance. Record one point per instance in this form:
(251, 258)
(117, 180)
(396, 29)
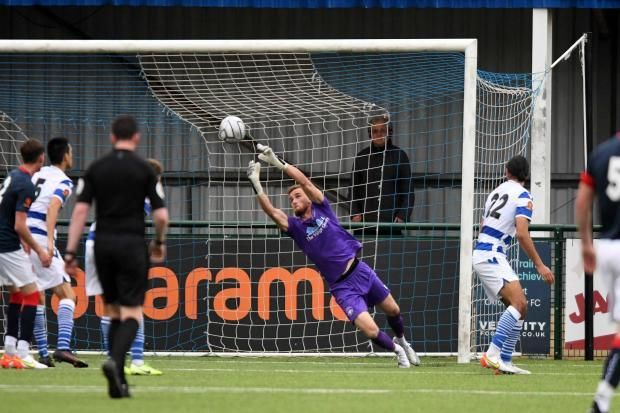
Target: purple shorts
(360, 290)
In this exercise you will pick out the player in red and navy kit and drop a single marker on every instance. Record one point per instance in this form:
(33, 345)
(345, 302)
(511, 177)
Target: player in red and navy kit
(317, 232)
(16, 196)
(601, 180)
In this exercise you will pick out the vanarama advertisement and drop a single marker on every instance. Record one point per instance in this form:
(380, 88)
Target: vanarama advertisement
(261, 294)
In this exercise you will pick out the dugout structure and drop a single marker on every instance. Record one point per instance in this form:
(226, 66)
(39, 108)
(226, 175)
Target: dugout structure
(233, 284)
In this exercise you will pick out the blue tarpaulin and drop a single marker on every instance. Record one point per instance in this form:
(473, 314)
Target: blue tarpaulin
(328, 4)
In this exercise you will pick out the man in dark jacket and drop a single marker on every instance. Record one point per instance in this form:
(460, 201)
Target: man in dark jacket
(382, 188)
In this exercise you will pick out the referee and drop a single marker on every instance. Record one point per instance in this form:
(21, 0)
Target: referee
(118, 184)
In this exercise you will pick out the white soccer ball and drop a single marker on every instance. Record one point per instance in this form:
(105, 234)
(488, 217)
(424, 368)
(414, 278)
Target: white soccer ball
(232, 129)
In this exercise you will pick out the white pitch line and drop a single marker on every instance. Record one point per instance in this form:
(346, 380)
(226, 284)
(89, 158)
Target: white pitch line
(266, 360)
(289, 390)
(414, 370)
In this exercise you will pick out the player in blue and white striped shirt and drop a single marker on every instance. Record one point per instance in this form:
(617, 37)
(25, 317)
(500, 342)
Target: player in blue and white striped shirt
(52, 188)
(507, 213)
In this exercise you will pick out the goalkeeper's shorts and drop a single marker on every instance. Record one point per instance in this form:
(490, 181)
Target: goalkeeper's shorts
(359, 291)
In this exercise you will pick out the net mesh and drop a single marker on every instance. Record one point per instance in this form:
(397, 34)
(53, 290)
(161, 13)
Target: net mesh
(11, 136)
(232, 281)
(504, 115)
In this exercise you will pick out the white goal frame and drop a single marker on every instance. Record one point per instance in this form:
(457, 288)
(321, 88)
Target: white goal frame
(467, 46)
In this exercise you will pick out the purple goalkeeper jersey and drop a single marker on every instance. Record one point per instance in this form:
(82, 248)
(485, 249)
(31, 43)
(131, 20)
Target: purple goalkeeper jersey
(324, 241)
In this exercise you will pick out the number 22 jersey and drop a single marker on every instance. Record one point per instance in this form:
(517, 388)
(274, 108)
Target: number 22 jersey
(503, 205)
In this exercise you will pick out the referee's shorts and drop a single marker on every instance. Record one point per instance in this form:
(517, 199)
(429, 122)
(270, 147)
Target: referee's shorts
(122, 263)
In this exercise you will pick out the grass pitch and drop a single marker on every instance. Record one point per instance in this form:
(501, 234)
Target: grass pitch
(295, 385)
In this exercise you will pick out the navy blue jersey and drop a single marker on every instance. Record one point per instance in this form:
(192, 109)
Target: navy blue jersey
(16, 195)
(603, 174)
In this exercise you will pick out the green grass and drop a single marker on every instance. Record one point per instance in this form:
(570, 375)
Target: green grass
(257, 385)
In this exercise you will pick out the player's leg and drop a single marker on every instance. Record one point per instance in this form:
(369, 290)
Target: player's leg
(392, 312)
(117, 387)
(108, 270)
(495, 274)
(66, 310)
(12, 327)
(348, 297)
(130, 278)
(609, 272)
(104, 325)
(122, 333)
(40, 333)
(45, 280)
(138, 367)
(610, 379)
(30, 300)
(18, 269)
(93, 288)
(514, 298)
(365, 323)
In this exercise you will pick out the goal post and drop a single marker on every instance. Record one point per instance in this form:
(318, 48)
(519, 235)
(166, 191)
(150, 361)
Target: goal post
(345, 107)
(467, 203)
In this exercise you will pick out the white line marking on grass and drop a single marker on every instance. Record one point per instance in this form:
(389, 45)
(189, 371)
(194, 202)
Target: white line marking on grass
(371, 360)
(289, 390)
(414, 370)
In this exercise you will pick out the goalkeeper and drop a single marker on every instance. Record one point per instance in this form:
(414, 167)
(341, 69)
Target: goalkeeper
(317, 232)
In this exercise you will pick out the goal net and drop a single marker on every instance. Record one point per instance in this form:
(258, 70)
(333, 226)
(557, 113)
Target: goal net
(232, 281)
(505, 105)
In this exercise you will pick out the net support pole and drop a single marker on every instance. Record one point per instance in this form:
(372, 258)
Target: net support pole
(586, 62)
(540, 157)
(467, 203)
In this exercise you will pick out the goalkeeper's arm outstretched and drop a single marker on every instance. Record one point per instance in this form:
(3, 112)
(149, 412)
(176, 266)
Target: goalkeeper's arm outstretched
(317, 232)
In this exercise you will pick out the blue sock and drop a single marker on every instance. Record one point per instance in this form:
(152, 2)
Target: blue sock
(511, 342)
(105, 331)
(505, 326)
(40, 331)
(66, 307)
(137, 347)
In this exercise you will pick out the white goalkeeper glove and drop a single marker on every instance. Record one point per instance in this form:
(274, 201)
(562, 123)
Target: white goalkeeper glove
(254, 176)
(267, 155)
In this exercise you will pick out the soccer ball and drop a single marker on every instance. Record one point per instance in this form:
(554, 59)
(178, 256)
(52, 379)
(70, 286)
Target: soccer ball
(232, 129)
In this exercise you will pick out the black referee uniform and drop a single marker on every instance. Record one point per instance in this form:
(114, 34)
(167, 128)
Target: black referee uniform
(118, 183)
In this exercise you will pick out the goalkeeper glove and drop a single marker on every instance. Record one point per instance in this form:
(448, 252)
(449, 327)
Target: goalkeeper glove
(270, 157)
(254, 176)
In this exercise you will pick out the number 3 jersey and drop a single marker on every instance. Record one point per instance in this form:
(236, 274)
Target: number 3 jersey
(507, 202)
(50, 182)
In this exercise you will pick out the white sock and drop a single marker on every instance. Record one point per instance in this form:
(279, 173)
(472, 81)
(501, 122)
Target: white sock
(10, 345)
(603, 395)
(138, 363)
(493, 351)
(23, 349)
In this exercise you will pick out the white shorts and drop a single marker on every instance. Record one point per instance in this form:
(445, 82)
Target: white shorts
(16, 269)
(52, 276)
(608, 268)
(93, 286)
(494, 272)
